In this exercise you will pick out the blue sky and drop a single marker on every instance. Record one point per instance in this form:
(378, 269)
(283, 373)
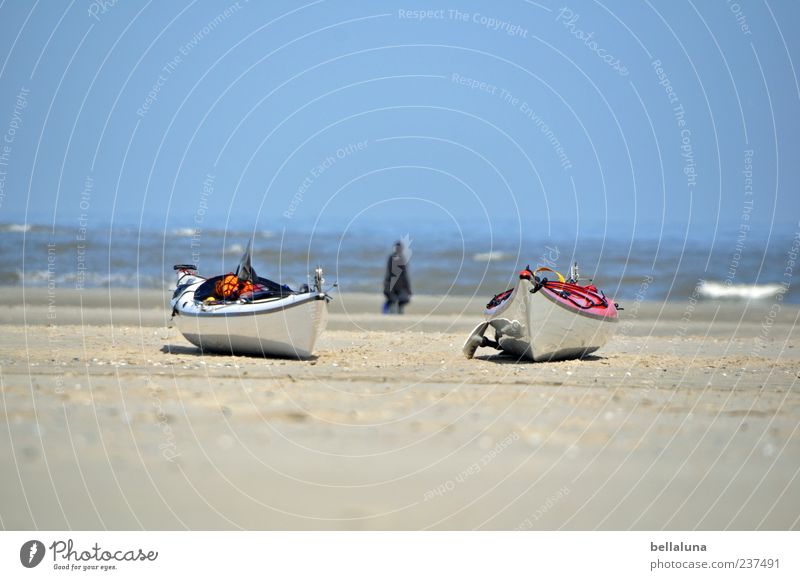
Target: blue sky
(282, 115)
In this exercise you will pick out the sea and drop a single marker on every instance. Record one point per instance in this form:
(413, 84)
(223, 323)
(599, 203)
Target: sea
(472, 260)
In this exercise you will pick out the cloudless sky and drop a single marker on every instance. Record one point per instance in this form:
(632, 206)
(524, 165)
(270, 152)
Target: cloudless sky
(285, 114)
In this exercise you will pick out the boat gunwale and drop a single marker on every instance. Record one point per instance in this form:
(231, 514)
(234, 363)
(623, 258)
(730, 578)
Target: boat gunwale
(505, 304)
(254, 312)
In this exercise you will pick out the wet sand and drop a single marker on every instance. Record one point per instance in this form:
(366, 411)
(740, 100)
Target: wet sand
(687, 419)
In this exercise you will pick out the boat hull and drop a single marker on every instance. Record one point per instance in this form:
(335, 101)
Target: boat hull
(280, 327)
(536, 324)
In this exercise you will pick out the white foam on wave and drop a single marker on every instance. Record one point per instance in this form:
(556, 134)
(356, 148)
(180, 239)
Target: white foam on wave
(184, 232)
(234, 249)
(740, 291)
(85, 279)
(490, 256)
(15, 228)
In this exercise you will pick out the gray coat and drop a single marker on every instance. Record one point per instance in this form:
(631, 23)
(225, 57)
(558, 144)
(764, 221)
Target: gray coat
(396, 282)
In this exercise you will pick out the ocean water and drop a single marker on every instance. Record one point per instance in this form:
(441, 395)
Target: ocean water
(462, 261)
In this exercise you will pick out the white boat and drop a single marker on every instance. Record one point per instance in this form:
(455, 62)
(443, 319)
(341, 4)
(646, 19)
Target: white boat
(266, 319)
(546, 320)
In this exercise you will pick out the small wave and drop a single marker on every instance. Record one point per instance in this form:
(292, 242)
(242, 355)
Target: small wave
(85, 279)
(740, 291)
(490, 256)
(235, 249)
(15, 228)
(184, 232)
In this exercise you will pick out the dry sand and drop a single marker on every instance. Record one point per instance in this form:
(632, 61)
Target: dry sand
(687, 419)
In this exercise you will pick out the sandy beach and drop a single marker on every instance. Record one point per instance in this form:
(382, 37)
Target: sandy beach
(688, 419)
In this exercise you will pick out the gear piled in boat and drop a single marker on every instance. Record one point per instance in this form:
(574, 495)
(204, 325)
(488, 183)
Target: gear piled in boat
(544, 320)
(242, 313)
